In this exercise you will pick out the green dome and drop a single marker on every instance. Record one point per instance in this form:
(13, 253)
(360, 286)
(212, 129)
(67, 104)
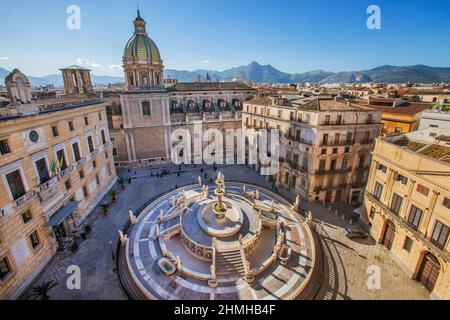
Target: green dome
(141, 47)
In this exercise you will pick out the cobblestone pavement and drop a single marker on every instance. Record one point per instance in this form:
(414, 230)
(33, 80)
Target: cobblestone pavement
(98, 274)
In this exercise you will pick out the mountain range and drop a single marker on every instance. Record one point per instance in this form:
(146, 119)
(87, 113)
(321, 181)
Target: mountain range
(268, 74)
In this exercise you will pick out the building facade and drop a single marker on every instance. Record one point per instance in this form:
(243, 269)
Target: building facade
(143, 117)
(325, 144)
(407, 205)
(435, 119)
(56, 164)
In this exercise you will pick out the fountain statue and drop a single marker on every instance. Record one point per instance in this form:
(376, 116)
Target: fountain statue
(296, 205)
(123, 238)
(257, 194)
(244, 189)
(133, 219)
(219, 207)
(200, 181)
(205, 190)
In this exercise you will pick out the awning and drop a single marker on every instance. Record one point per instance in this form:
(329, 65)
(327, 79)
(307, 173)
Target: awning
(62, 213)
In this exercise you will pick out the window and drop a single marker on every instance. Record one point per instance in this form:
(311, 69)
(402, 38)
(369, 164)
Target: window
(97, 179)
(398, 130)
(71, 128)
(372, 212)
(322, 165)
(4, 147)
(377, 191)
(396, 204)
(102, 133)
(323, 151)
(333, 164)
(446, 203)
(26, 216)
(55, 131)
(86, 121)
(402, 179)
(335, 150)
(100, 116)
(94, 164)
(90, 144)
(440, 234)
(106, 155)
(369, 118)
(408, 244)
(146, 112)
(337, 138)
(415, 215)
(85, 192)
(68, 184)
(115, 152)
(345, 162)
(339, 119)
(382, 168)
(4, 268)
(76, 151)
(325, 139)
(34, 239)
(347, 149)
(16, 184)
(81, 173)
(61, 159)
(327, 119)
(41, 166)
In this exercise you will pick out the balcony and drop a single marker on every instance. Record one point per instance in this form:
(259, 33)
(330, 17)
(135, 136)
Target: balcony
(27, 198)
(333, 171)
(336, 143)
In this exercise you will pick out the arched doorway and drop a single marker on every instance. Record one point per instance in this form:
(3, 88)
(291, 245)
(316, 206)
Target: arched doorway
(429, 271)
(389, 235)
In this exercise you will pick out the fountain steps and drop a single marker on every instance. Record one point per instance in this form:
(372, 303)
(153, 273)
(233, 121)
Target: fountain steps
(229, 263)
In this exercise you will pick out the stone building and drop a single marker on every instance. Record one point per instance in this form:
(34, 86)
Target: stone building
(325, 145)
(143, 117)
(407, 204)
(56, 164)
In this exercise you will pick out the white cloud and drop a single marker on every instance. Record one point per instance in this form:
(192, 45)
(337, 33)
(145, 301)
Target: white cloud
(207, 61)
(96, 65)
(83, 61)
(4, 58)
(115, 67)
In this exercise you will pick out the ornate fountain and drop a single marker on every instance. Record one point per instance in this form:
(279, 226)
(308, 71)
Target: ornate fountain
(220, 208)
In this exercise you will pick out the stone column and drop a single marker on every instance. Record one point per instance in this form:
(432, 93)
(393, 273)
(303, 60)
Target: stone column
(372, 174)
(428, 213)
(127, 143)
(404, 212)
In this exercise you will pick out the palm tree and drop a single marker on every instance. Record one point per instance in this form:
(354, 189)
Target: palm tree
(121, 182)
(113, 194)
(41, 292)
(105, 207)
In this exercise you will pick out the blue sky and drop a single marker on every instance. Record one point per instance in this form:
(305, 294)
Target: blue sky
(292, 35)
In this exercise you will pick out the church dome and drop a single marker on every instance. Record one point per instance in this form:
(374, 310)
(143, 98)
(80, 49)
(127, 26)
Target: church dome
(141, 47)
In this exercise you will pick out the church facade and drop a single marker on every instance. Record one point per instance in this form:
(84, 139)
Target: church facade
(143, 117)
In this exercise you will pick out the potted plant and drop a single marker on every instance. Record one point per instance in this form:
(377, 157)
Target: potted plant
(42, 292)
(121, 182)
(113, 194)
(105, 207)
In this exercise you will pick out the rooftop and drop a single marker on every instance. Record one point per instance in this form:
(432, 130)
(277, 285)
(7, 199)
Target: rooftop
(211, 86)
(429, 142)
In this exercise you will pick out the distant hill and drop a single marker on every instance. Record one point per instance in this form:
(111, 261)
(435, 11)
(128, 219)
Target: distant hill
(268, 74)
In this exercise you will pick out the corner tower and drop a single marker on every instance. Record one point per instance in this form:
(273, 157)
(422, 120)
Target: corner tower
(142, 61)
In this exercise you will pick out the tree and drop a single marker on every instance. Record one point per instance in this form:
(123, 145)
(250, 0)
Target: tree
(121, 182)
(41, 292)
(105, 207)
(113, 194)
